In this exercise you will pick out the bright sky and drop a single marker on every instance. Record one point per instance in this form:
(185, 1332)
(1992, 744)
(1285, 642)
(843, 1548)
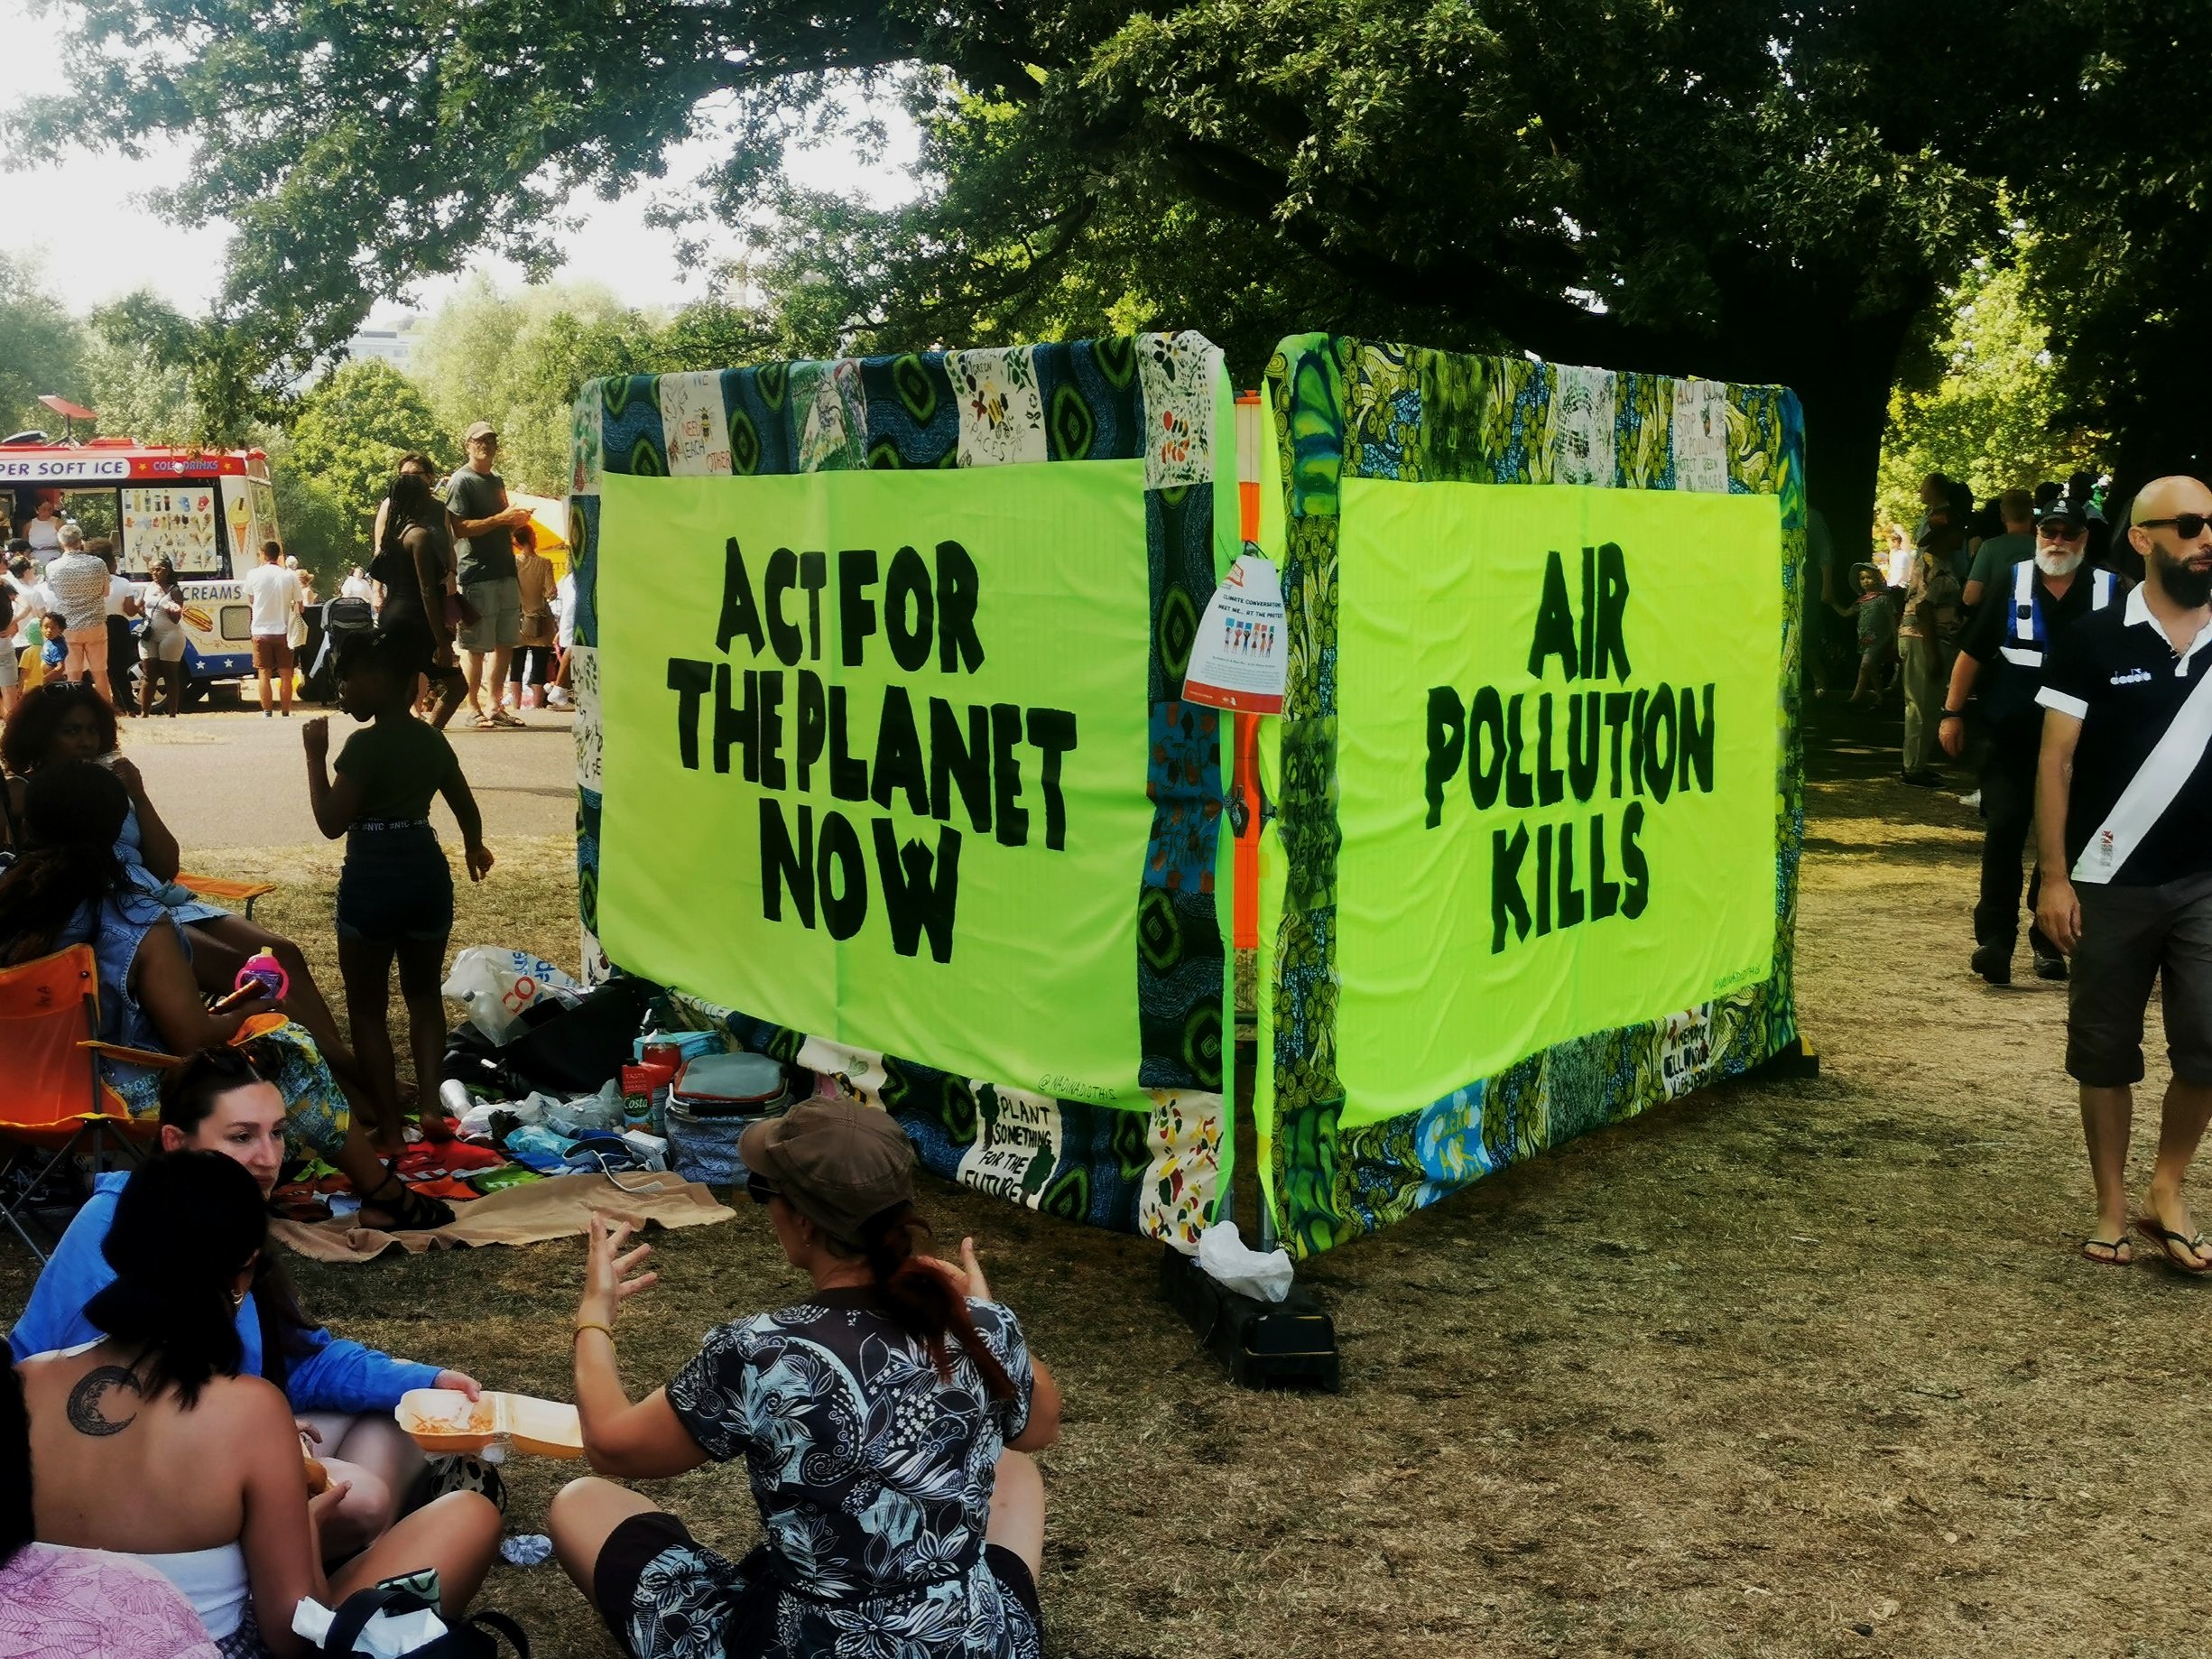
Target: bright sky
(135, 247)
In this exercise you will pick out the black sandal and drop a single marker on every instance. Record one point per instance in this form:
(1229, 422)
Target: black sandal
(2166, 1238)
(409, 1212)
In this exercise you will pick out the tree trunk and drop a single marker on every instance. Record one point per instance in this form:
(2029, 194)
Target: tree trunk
(1842, 374)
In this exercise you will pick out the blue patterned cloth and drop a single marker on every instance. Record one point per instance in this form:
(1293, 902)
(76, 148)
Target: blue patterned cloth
(874, 1478)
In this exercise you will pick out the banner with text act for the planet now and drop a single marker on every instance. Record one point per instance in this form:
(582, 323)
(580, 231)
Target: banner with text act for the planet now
(875, 759)
(1556, 769)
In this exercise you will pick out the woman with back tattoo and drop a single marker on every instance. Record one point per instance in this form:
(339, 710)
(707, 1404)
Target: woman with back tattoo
(149, 1443)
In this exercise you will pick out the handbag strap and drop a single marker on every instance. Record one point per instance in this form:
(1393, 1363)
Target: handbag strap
(357, 1609)
(465, 1638)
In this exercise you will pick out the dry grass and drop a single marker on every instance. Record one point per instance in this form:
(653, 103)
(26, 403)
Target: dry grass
(1788, 1369)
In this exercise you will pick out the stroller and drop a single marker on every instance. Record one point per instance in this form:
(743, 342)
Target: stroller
(342, 619)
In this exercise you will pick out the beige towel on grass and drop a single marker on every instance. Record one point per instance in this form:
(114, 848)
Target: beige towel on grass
(560, 1207)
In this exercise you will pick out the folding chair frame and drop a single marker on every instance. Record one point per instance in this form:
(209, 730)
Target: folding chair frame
(95, 1132)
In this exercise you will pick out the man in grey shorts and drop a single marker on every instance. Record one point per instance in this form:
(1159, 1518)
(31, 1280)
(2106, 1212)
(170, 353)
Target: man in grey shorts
(2124, 799)
(482, 526)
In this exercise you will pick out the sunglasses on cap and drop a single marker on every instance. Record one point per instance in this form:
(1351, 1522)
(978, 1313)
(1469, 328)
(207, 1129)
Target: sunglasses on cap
(759, 1191)
(2189, 526)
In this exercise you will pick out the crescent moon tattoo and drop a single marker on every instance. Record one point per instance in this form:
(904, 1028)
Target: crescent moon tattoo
(84, 1405)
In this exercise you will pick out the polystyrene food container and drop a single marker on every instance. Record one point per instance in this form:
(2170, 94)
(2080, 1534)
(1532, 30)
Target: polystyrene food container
(443, 1420)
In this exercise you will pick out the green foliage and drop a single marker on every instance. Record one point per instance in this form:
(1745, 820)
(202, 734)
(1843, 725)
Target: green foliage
(1991, 412)
(1757, 191)
(350, 431)
(41, 348)
(137, 393)
(318, 529)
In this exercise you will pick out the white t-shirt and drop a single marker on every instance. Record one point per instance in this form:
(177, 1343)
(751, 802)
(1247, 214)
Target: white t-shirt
(32, 601)
(119, 589)
(276, 593)
(355, 587)
(164, 612)
(564, 607)
(44, 535)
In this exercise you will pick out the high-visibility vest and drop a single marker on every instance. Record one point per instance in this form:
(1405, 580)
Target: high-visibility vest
(2025, 639)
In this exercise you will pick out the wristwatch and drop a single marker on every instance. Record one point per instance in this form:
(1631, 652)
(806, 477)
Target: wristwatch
(1953, 714)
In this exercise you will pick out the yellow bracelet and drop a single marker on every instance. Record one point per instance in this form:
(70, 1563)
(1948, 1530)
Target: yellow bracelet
(582, 1325)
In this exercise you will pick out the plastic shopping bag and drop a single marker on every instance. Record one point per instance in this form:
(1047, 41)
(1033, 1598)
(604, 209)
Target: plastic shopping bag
(1230, 1263)
(497, 986)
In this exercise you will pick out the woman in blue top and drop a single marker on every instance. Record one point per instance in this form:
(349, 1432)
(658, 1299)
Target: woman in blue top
(67, 887)
(343, 1392)
(63, 720)
(884, 1421)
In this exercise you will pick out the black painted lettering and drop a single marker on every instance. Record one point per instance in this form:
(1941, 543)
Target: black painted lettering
(1052, 733)
(1447, 745)
(1571, 903)
(1697, 739)
(739, 723)
(813, 722)
(1658, 763)
(1583, 719)
(920, 890)
(1507, 902)
(786, 865)
(841, 877)
(1612, 601)
(907, 588)
(1484, 776)
(1555, 623)
(783, 637)
(1520, 790)
(1007, 774)
(689, 678)
(848, 777)
(739, 614)
(1632, 865)
(965, 761)
(1550, 781)
(855, 609)
(958, 592)
(1605, 895)
(771, 722)
(898, 755)
(814, 575)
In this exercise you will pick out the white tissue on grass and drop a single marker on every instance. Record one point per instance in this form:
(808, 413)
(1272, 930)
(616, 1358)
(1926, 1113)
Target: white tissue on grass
(525, 1549)
(1230, 1263)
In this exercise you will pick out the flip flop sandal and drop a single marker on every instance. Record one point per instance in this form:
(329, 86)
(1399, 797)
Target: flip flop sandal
(2166, 1238)
(2113, 1247)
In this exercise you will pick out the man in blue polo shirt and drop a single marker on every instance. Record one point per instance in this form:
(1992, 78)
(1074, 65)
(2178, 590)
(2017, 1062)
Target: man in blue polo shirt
(2124, 792)
(2034, 603)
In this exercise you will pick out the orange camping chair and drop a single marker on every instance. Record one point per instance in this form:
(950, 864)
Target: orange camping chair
(53, 1104)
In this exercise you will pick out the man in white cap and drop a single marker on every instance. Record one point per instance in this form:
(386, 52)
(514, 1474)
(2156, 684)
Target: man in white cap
(482, 526)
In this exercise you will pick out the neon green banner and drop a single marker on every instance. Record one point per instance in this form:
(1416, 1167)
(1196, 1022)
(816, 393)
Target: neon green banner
(1556, 743)
(863, 775)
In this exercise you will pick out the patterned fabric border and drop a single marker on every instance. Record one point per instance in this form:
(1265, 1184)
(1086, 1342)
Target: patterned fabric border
(1151, 397)
(1347, 408)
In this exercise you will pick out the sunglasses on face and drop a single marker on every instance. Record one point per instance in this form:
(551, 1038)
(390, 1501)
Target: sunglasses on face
(759, 1191)
(2188, 526)
(2062, 529)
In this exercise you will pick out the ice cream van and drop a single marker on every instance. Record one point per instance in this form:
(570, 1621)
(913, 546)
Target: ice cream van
(207, 511)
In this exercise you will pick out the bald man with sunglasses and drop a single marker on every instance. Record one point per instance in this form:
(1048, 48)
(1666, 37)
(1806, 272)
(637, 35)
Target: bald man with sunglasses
(2124, 794)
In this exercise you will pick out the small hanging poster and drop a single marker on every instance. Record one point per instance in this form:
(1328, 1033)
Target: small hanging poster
(1238, 660)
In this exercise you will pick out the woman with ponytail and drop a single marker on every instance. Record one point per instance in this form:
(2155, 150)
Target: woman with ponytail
(152, 1443)
(342, 1392)
(885, 1421)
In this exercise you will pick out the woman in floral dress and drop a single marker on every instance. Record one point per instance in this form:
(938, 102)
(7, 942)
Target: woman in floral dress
(883, 1422)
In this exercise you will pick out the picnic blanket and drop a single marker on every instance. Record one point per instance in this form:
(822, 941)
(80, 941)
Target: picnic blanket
(559, 1208)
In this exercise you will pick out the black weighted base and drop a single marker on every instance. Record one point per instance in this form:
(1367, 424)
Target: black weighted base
(1796, 1060)
(1286, 1344)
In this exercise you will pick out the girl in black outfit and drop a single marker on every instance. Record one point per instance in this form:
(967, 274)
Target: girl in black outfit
(411, 563)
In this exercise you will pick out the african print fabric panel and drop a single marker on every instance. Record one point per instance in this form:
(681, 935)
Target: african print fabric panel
(890, 774)
(1538, 782)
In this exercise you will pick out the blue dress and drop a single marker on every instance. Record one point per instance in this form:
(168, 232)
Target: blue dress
(114, 927)
(181, 902)
(873, 1477)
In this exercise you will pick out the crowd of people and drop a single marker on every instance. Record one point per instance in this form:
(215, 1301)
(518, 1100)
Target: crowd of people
(2056, 641)
(885, 1415)
(455, 557)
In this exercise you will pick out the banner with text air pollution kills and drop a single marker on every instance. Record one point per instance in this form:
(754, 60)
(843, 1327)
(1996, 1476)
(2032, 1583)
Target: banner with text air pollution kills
(1538, 817)
(894, 775)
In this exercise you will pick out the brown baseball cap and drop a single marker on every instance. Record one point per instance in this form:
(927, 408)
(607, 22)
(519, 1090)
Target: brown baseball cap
(835, 1162)
(482, 429)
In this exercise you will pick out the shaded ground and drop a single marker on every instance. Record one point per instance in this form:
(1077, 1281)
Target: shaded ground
(1787, 1369)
